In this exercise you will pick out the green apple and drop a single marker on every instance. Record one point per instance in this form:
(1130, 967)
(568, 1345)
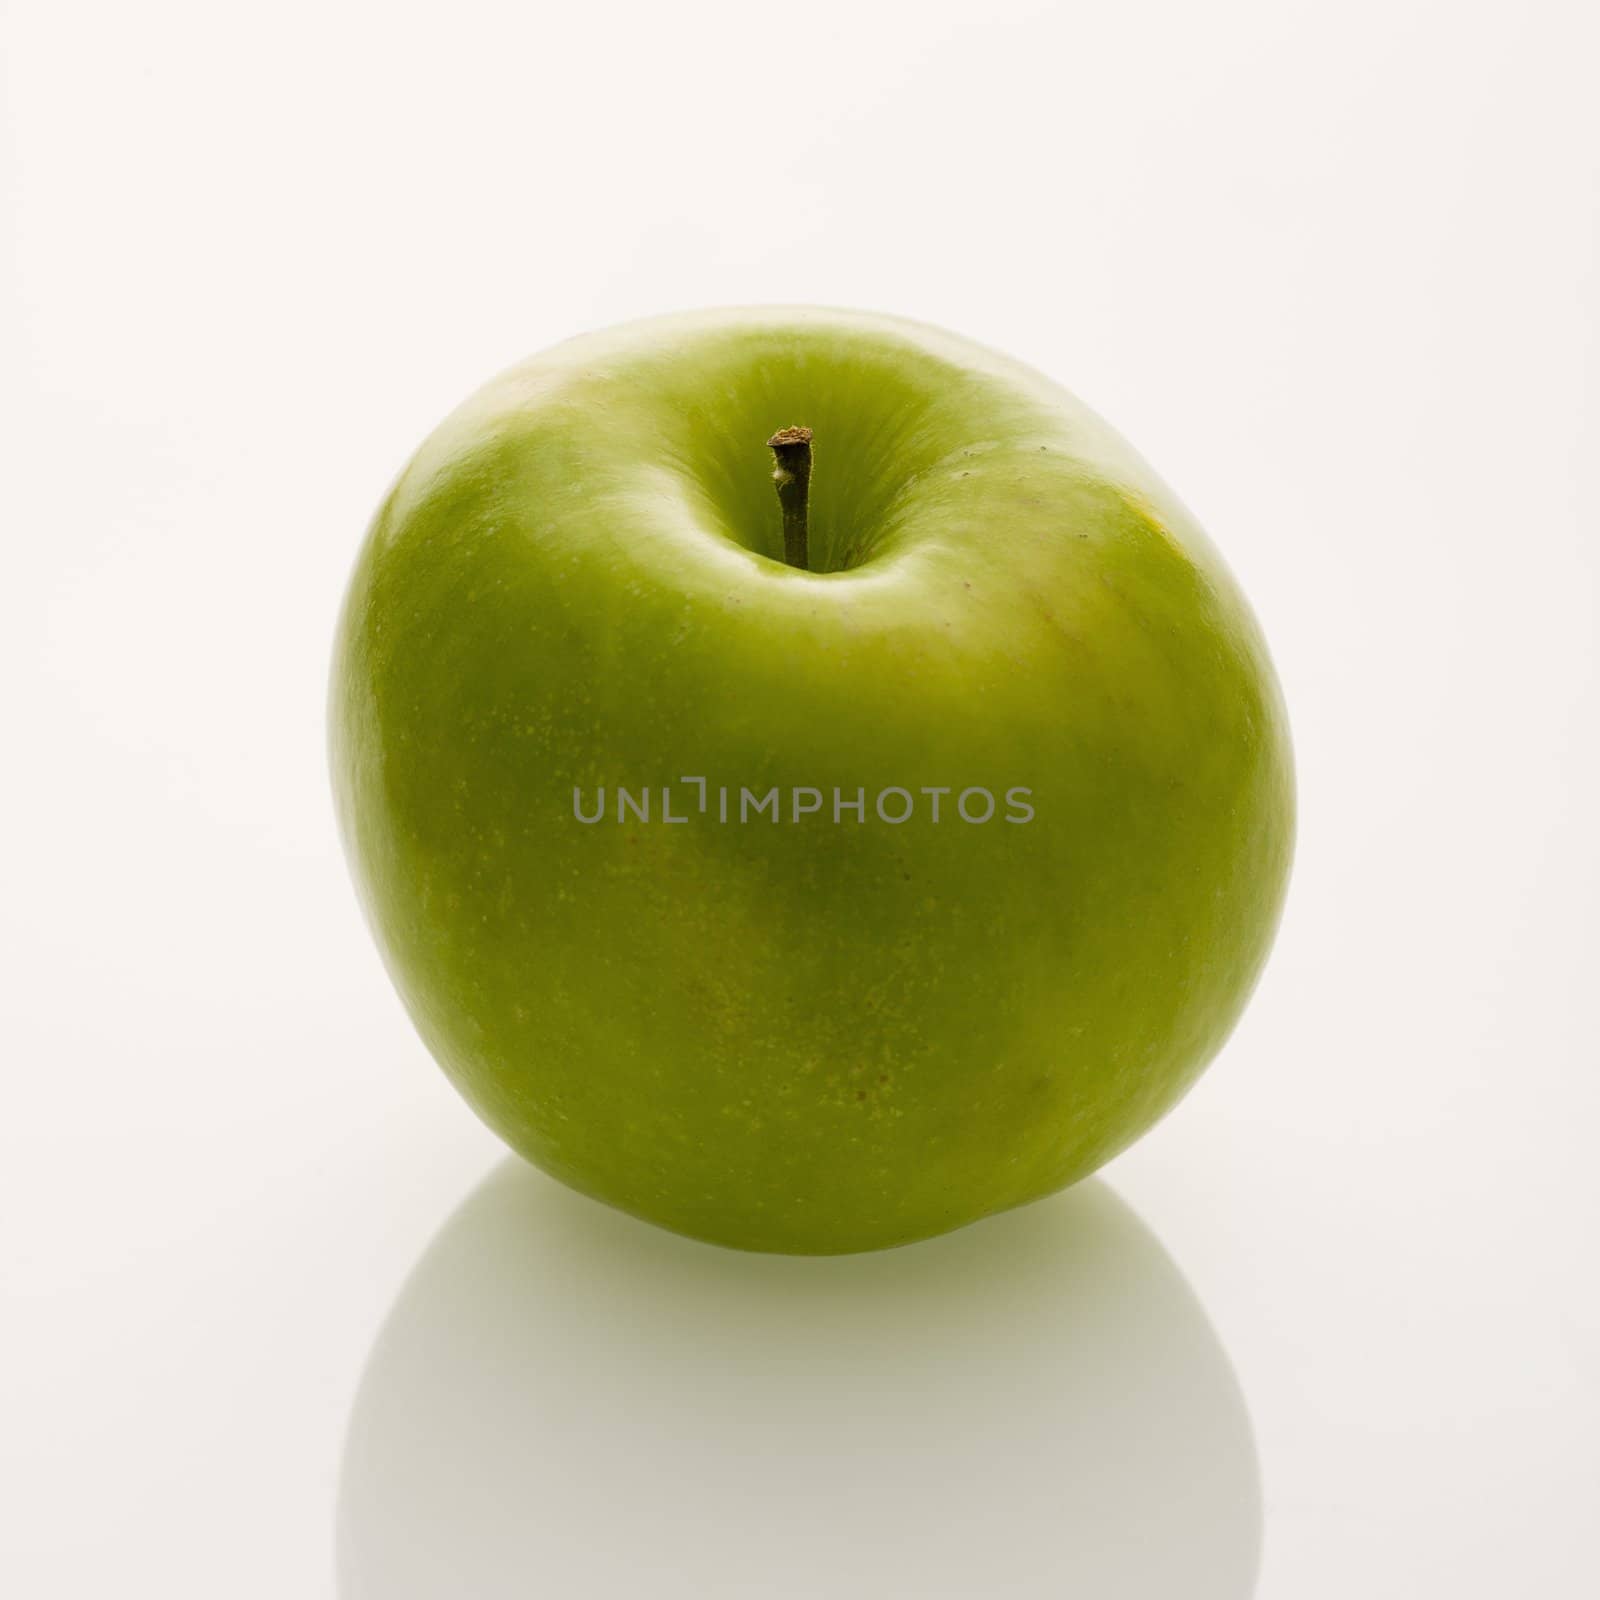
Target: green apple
(820, 869)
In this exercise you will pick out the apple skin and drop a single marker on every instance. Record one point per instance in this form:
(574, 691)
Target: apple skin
(810, 1036)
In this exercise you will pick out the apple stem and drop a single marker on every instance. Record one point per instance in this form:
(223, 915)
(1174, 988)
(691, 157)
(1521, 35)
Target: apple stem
(792, 448)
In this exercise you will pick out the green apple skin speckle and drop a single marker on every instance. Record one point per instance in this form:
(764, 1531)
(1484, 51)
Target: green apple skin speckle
(807, 1036)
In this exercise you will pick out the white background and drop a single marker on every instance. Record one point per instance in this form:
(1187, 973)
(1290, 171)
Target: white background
(1333, 270)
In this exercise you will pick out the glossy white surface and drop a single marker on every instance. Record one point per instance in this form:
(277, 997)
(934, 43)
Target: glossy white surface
(1334, 272)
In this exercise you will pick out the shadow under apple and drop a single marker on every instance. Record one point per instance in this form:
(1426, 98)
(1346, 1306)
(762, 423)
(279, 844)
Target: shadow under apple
(567, 1402)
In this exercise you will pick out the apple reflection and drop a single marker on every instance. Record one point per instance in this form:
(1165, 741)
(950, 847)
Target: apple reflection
(570, 1403)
